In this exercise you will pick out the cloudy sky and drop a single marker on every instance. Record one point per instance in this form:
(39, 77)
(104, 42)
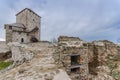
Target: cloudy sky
(87, 19)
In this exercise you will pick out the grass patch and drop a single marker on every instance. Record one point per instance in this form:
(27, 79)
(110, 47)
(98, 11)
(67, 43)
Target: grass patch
(116, 75)
(3, 65)
(111, 63)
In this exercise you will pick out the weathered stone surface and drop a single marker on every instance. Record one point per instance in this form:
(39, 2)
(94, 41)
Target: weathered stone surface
(74, 57)
(40, 67)
(103, 53)
(70, 41)
(103, 73)
(46, 61)
(99, 53)
(20, 52)
(61, 76)
(5, 52)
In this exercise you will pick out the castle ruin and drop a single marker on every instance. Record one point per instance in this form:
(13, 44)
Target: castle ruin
(26, 29)
(72, 52)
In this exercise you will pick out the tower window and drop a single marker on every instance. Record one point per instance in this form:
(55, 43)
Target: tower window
(22, 40)
(10, 27)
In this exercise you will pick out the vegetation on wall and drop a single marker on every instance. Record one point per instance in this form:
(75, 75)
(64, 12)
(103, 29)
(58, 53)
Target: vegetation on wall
(112, 64)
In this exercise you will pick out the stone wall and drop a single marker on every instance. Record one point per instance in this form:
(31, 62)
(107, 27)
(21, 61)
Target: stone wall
(5, 52)
(8, 34)
(21, 18)
(102, 55)
(18, 36)
(72, 47)
(18, 28)
(71, 41)
(20, 52)
(92, 60)
(66, 38)
(30, 20)
(35, 61)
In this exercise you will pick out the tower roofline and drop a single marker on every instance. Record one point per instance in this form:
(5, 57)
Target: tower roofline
(29, 10)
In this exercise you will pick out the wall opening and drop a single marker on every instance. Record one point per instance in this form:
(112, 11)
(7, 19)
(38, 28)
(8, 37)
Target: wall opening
(22, 40)
(75, 70)
(33, 39)
(75, 59)
(10, 27)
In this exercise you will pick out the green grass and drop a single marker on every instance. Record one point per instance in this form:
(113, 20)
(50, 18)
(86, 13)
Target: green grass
(3, 65)
(116, 75)
(111, 63)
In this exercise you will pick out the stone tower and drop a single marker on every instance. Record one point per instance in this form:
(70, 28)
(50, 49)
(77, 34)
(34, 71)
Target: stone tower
(26, 29)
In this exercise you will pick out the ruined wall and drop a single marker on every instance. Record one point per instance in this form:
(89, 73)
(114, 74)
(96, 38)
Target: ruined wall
(71, 48)
(33, 61)
(102, 54)
(5, 52)
(95, 56)
(93, 59)
(82, 64)
(20, 52)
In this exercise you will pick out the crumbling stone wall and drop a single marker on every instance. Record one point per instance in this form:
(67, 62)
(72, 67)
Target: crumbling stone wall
(81, 60)
(74, 47)
(20, 53)
(100, 53)
(5, 52)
